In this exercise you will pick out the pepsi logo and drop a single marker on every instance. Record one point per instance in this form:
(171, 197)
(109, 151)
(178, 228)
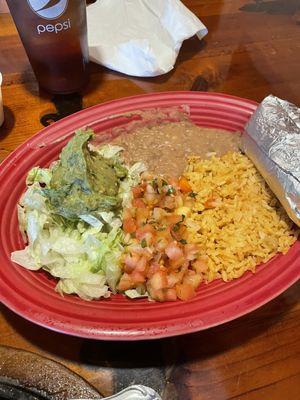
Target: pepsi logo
(48, 9)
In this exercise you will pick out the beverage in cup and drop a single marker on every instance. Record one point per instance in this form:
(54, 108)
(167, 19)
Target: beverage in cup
(54, 34)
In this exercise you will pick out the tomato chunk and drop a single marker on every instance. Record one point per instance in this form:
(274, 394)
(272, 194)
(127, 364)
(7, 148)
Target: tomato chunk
(137, 191)
(185, 291)
(173, 251)
(126, 282)
(184, 185)
(170, 295)
(158, 280)
(129, 225)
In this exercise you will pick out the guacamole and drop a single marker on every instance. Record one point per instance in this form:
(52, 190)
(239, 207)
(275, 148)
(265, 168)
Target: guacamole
(84, 182)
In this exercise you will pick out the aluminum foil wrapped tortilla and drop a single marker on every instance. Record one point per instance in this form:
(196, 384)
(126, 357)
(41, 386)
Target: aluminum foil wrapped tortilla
(272, 141)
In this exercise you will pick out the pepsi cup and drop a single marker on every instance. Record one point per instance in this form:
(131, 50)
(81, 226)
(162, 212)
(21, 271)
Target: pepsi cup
(54, 35)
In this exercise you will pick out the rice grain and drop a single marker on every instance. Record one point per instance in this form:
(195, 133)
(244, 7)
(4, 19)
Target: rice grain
(236, 220)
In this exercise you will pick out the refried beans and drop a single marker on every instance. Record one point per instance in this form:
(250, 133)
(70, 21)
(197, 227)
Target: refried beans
(164, 148)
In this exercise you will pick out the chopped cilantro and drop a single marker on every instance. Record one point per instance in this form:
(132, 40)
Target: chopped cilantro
(176, 227)
(143, 243)
(170, 191)
(155, 184)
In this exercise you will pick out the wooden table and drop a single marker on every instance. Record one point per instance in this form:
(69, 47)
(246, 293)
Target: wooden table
(252, 50)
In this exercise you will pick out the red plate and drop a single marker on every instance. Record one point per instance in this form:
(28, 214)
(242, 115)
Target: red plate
(31, 294)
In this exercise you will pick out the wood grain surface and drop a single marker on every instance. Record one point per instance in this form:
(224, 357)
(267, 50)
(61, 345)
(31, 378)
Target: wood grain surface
(252, 50)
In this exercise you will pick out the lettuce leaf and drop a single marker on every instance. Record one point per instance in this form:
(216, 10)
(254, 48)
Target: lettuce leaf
(81, 248)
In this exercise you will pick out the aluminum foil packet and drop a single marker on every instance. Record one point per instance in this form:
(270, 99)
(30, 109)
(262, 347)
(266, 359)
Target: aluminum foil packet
(272, 141)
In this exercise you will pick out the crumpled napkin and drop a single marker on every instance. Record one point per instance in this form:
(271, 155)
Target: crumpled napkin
(139, 37)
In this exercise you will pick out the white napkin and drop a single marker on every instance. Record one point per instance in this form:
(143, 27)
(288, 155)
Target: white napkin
(139, 37)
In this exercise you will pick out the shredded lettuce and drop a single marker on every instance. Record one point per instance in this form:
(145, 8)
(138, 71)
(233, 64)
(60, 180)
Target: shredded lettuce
(132, 179)
(82, 253)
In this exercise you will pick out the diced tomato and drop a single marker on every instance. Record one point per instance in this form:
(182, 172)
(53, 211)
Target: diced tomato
(129, 225)
(158, 213)
(153, 267)
(140, 233)
(200, 265)
(177, 263)
(142, 264)
(178, 200)
(192, 279)
(174, 278)
(137, 277)
(167, 202)
(158, 280)
(128, 213)
(176, 231)
(157, 294)
(151, 199)
(173, 219)
(165, 233)
(137, 191)
(184, 185)
(173, 251)
(126, 282)
(161, 244)
(142, 214)
(185, 291)
(170, 295)
(173, 182)
(138, 203)
(150, 189)
(137, 249)
(190, 251)
(148, 239)
(158, 256)
(131, 262)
